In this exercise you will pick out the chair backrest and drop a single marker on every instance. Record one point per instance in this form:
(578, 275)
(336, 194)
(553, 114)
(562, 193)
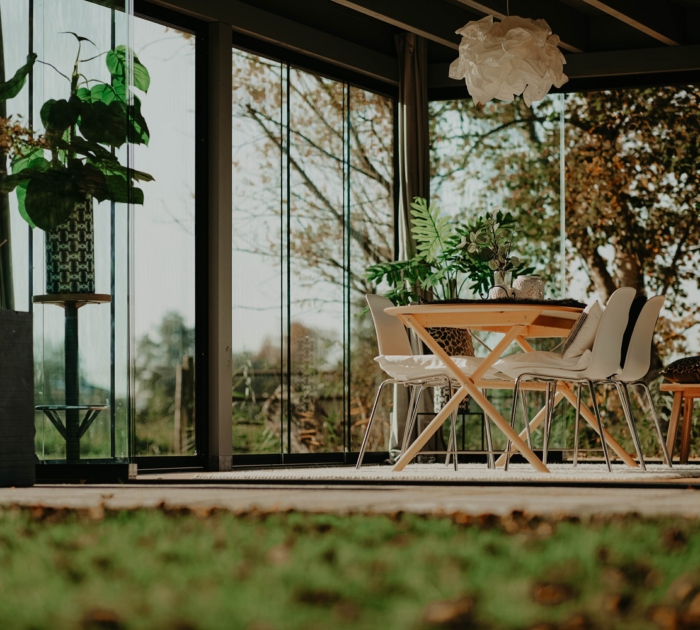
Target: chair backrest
(392, 338)
(605, 359)
(638, 358)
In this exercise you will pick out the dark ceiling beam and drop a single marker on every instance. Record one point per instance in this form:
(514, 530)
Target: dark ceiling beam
(570, 25)
(662, 21)
(280, 31)
(433, 20)
(604, 64)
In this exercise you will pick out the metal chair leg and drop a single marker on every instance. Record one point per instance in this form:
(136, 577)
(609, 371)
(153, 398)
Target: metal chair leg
(528, 431)
(549, 412)
(449, 442)
(596, 411)
(369, 425)
(627, 410)
(657, 423)
(513, 411)
(416, 393)
(490, 459)
(453, 439)
(577, 420)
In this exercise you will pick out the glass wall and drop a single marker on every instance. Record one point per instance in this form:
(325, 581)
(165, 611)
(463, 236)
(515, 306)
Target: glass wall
(98, 227)
(163, 249)
(630, 200)
(69, 212)
(503, 156)
(313, 207)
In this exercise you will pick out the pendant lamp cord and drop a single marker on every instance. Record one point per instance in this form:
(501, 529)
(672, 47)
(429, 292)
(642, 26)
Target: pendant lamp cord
(508, 7)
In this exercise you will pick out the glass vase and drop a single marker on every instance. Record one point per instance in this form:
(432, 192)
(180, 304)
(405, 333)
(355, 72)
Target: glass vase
(503, 279)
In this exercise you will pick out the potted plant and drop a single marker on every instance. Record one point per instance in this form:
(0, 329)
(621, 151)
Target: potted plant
(490, 239)
(76, 163)
(449, 256)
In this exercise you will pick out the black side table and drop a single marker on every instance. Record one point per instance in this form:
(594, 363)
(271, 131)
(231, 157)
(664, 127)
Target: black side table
(74, 428)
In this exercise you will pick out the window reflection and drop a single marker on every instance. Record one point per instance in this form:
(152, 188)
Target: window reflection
(313, 207)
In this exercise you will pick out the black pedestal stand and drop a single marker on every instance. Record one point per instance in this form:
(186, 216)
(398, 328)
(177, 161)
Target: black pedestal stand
(75, 427)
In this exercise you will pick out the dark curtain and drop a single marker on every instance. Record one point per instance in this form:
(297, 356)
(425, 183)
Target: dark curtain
(414, 139)
(414, 181)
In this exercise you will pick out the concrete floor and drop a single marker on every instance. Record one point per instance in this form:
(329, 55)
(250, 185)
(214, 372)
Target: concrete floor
(375, 499)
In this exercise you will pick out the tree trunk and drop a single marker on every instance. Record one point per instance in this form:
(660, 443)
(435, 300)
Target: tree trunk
(628, 270)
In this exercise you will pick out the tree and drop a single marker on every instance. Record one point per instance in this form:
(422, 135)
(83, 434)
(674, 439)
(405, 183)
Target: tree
(632, 184)
(337, 141)
(332, 127)
(158, 357)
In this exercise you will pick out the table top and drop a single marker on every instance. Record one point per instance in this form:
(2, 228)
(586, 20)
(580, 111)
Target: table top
(680, 387)
(539, 320)
(470, 307)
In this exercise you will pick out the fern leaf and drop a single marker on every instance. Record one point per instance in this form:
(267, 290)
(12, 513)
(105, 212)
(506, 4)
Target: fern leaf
(430, 230)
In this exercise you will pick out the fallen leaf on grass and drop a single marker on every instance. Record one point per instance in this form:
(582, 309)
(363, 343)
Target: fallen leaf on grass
(317, 596)
(665, 617)
(617, 604)
(449, 612)
(101, 619)
(577, 622)
(691, 617)
(549, 594)
(682, 588)
(347, 611)
(674, 539)
(279, 554)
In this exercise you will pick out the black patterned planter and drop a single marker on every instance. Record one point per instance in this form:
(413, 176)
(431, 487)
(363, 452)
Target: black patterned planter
(70, 253)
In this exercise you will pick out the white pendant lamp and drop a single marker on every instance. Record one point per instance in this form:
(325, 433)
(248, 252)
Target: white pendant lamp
(504, 59)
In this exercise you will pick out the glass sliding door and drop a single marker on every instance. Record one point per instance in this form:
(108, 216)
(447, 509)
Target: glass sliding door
(163, 247)
(77, 198)
(313, 207)
(259, 87)
(370, 241)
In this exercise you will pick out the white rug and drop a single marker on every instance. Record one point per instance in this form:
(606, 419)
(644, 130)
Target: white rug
(467, 473)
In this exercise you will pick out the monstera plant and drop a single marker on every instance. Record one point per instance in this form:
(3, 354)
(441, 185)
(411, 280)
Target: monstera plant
(76, 163)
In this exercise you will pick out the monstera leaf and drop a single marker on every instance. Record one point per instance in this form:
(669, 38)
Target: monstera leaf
(82, 133)
(116, 64)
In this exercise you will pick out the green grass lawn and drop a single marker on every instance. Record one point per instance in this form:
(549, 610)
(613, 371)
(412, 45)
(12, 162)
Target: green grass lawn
(182, 570)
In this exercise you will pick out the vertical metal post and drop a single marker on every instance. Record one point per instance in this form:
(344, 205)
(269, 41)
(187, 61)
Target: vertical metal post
(220, 246)
(562, 199)
(72, 383)
(113, 304)
(347, 313)
(30, 124)
(288, 258)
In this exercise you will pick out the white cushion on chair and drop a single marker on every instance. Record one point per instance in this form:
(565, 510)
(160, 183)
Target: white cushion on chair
(417, 366)
(541, 363)
(583, 333)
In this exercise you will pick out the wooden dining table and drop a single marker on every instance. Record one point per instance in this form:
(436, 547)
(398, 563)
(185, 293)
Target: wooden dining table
(518, 322)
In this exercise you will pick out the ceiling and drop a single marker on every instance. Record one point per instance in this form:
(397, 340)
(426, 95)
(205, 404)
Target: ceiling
(609, 40)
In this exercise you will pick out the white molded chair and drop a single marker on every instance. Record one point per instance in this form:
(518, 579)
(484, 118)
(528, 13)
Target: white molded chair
(404, 369)
(636, 365)
(600, 365)
(396, 358)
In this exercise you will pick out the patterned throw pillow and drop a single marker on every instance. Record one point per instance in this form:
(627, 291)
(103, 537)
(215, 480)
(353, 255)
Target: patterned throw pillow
(582, 335)
(683, 371)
